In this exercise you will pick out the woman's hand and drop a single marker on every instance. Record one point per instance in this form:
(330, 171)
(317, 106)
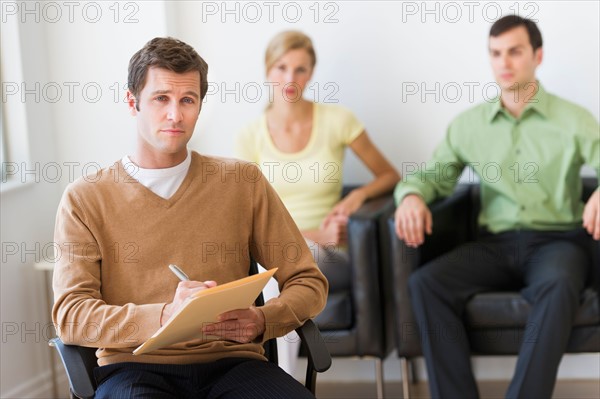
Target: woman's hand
(349, 204)
(333, 230)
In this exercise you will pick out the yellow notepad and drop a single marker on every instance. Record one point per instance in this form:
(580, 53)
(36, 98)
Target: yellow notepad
(203, 308)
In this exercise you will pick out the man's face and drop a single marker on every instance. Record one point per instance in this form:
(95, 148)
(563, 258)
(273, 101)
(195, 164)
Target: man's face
(169, 105)
(513, 59)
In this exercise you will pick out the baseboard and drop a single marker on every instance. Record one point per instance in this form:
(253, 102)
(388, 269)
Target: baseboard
(486, 368)
(37, 387)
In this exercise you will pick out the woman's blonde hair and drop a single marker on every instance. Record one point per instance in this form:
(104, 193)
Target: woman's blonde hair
(286, 41)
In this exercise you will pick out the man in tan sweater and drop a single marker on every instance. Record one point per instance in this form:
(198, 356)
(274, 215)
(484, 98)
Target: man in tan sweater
(120, 229)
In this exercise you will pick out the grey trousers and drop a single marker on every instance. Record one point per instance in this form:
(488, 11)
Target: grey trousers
(334, 263)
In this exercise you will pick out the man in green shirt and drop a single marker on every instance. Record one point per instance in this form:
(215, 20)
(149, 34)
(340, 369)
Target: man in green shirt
(527, 148)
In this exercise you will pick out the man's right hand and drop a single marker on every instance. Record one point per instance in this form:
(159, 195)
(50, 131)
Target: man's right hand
(185, 290)
(413, 220)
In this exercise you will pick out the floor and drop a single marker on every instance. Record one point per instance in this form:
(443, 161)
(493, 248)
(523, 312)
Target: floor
(565, 389)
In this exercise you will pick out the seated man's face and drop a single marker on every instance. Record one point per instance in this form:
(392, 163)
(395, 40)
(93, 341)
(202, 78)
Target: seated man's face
(169, 105)
(513, 59)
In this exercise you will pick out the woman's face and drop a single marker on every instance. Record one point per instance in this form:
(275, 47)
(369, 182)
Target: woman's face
(290, 74)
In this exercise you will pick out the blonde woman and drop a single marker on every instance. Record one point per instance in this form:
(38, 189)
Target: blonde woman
(299, 145)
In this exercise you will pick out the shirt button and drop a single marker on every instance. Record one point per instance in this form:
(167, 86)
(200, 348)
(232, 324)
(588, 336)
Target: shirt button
(518, 152)
(522, 207)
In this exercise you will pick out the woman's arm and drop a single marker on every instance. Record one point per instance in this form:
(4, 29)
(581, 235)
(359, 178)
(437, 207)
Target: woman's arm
(385, 180)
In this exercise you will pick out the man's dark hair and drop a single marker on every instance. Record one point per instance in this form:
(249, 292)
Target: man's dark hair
(167, 53)
(509, 22)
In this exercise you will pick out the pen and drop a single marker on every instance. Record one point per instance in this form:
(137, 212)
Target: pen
(179, 273)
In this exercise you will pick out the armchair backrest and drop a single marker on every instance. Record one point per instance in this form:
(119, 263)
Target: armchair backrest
(589, 184)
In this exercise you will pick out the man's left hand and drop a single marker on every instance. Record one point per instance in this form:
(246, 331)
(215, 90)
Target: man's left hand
(241, 325)
(591, 215)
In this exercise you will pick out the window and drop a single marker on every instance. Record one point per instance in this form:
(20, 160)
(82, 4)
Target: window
(3, 157)
(13, 122)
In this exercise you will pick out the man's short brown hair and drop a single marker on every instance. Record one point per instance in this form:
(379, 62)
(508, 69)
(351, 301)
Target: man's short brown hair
(509, 22)
(167, 53)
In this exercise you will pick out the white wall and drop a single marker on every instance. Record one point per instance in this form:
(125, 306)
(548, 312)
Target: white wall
(65, 134)
(375, 54)
(26, 227)
(371, 55)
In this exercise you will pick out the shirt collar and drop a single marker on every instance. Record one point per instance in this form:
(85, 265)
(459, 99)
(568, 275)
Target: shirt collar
(538, 103)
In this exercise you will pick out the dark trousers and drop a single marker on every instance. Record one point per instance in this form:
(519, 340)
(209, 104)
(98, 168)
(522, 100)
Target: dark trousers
(550, 269)
(225, 378)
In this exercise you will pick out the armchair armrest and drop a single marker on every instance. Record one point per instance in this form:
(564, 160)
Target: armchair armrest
(454, 222)
(79, 362)
(364, 242)
(319, 359)
(450, 228)
(589, 185)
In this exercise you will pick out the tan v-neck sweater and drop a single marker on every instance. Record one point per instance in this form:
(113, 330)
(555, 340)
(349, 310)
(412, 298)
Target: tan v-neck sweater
(117, 238)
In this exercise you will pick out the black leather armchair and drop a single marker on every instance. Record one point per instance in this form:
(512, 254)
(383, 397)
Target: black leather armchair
(353, 321)
(495, 320)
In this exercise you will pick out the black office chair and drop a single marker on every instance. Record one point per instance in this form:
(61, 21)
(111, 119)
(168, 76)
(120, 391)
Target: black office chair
(79, 361)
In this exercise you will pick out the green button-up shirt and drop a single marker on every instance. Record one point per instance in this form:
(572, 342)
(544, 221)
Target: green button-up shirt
(529, 168)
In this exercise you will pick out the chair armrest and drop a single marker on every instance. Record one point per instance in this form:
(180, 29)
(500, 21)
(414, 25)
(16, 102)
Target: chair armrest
(314, 345)
(454, 223)
(451, 218)
(79, 363)
(588, 186)
(596, 268)
(364, 250)
(450, 228)
(319, 359)
(374, 208)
